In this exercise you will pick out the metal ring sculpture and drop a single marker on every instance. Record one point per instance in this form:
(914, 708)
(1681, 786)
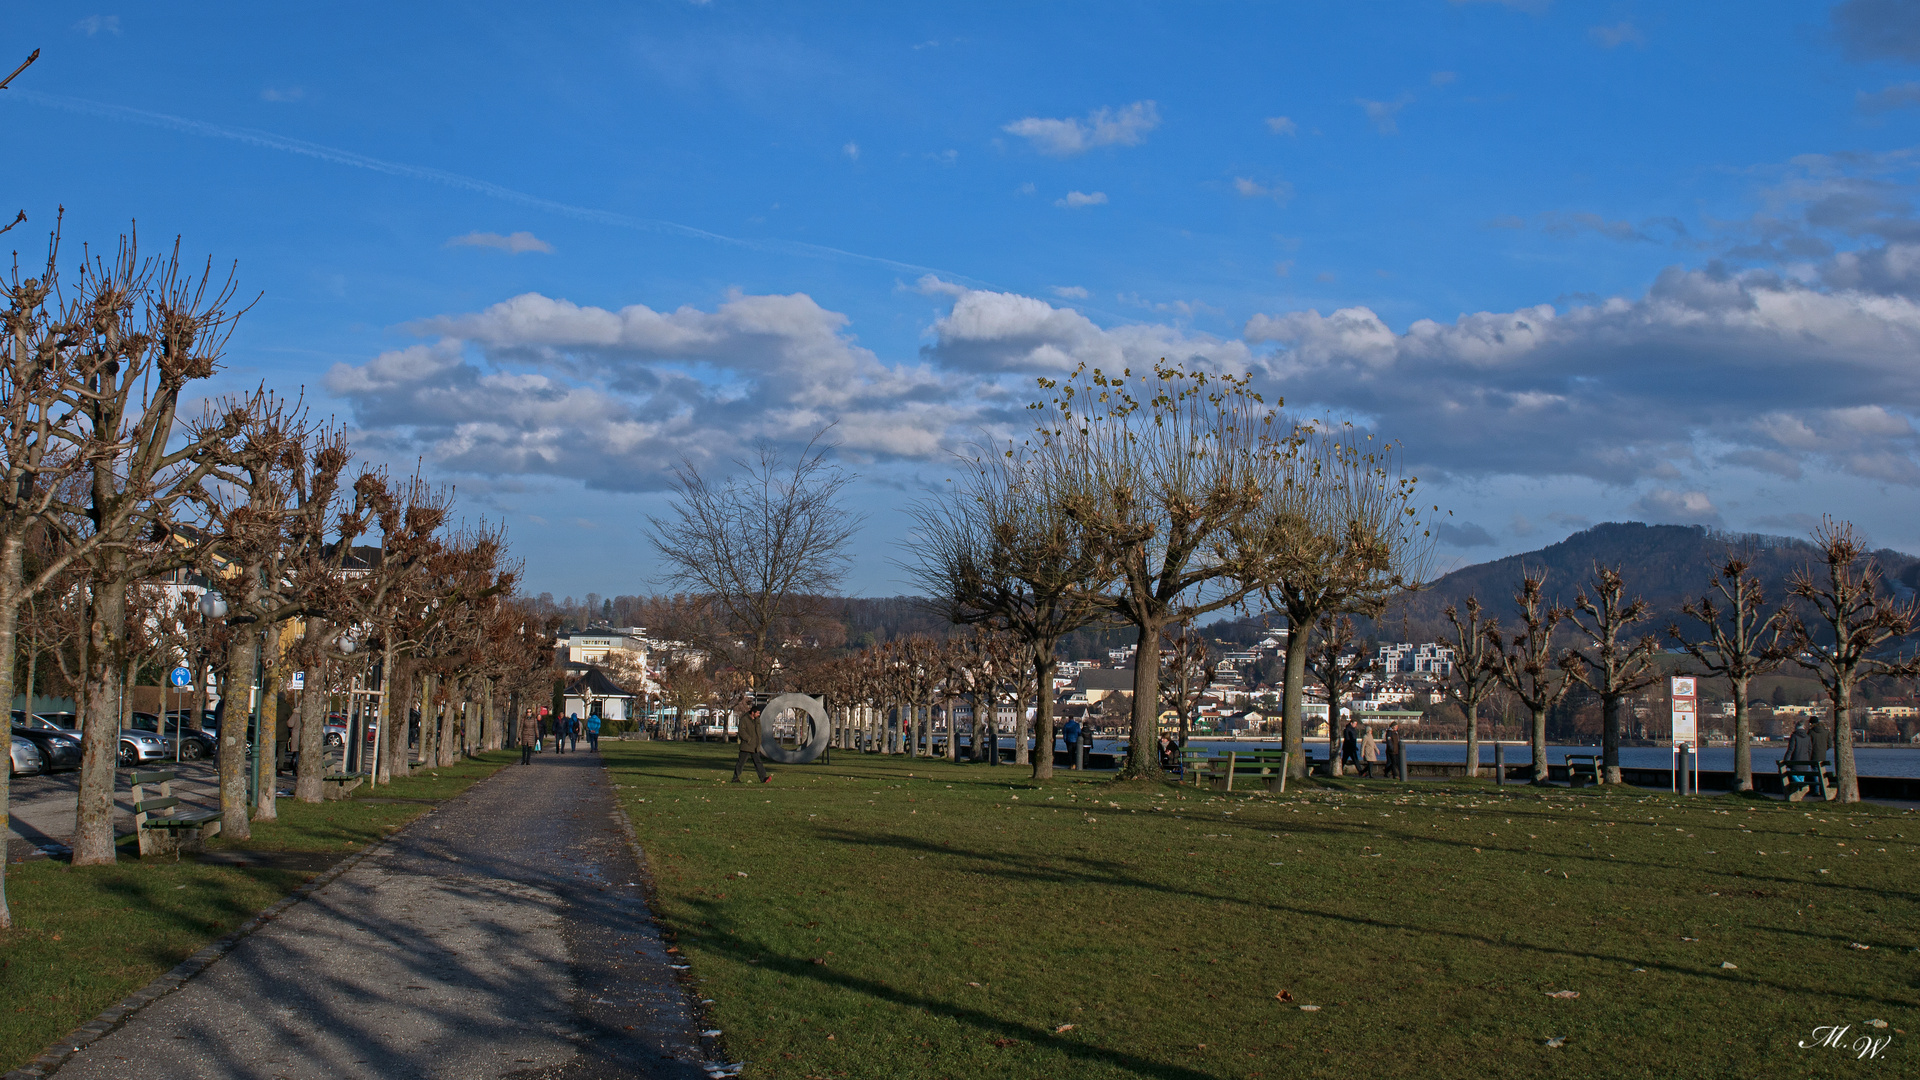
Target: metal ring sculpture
(805, 709)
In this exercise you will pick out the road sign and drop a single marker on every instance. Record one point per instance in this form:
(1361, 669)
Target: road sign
(299, 681)
(180, 677)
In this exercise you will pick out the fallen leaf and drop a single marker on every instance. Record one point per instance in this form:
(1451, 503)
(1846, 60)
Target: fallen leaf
(1284, 995)
(1877, 1023)
(1309, 1008)
(1004, 1042)
(1064, 1028)
(1564, 994)
(1557, 1041)
(1729, 966)
(1857, 945)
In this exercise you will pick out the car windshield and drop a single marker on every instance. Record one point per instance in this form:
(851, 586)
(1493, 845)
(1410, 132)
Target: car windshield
(49, 723)
(146, 722)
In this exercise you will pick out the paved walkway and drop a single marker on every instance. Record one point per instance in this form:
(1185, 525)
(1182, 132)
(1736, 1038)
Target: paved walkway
(502, 935)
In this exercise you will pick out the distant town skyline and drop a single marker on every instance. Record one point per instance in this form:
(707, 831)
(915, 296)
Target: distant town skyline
(1585, 262)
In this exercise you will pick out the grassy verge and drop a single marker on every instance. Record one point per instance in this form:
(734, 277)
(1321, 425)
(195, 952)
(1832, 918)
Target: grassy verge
(879, 917)
(85, 937)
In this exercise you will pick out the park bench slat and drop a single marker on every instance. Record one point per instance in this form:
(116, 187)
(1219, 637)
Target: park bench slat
(148, 806)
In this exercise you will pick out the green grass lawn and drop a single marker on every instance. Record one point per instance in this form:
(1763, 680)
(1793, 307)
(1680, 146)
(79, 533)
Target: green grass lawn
(85, 937)
(880, 917)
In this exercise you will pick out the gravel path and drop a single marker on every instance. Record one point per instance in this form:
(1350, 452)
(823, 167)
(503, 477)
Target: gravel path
(502, 935)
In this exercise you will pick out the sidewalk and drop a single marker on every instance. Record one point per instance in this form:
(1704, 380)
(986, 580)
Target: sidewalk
(502, 935)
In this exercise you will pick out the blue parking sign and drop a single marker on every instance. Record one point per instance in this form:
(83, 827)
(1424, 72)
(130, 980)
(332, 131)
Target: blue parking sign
(180, 677)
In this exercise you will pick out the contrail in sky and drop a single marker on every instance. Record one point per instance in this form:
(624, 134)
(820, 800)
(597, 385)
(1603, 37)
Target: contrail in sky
(269, 141)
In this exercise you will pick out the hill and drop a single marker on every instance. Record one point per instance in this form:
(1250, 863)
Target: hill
(1665, 564)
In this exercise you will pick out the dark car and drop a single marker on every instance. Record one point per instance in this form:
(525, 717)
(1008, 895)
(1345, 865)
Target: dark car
(59, 751)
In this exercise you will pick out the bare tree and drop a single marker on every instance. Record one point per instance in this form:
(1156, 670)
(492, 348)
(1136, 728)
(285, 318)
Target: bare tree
(1608, 666)
(1347, 538)
(1741, 642)
(1186, 670)
(1165, 475)
(1339, 671)
(1850, 621)
(995, 549)
(153, 327)
(1531, 669)
(764, 546)
(1475, 673)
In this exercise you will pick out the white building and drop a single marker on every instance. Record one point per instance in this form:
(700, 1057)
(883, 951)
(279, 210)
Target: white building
(1404, 658)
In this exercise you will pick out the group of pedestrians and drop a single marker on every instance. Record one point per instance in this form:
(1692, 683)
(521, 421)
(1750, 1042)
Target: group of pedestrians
(1809, 742)
(1360, 749)
(534, 731)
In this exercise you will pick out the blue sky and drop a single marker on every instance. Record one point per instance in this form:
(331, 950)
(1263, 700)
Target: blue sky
(1585, 261)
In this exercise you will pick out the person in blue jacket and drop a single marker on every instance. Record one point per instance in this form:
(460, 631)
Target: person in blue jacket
(593, 733)
(1070, 732)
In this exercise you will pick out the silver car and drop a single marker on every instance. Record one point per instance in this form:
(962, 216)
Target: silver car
(136, 747)
(26, 759)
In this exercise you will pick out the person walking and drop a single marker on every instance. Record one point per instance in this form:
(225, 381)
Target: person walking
(573, 731)
(750, 743)
(593, 733)
(528, 734)
(1070, 732)
(1350, 745)
(1369, 752)
(1396, 750)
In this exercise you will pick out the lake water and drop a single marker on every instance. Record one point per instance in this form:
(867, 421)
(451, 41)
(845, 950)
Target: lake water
(1901, 761)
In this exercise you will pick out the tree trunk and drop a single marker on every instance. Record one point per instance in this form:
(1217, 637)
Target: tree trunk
(1537, 743)
(1043, 662)
(1742, 739)
(1473, 740)
(103, 667)
(953, 733)
(1021, 754)
(312, 765)
(11, 548)
(444, 719)
(1143, 746)
(1844, 770)
(236, 709)
(1610, 738)
(266, 806)
(1290, 726)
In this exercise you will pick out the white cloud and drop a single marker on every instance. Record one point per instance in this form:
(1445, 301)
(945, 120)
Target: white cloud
(1752, 370)
(1006, 332)
(1070, 292)
(1103, 127)
(852, 150)
(96, 24)
(1442, 78)
(537, 385)
(1076, 199)
(1279, 191)
(514, 244)
(1385, 115)
(290, 94)
(1663, 506)
(1025, 189)
(1281, 125)
(1620, 33)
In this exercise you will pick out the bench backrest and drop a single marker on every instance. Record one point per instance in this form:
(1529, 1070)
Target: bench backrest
(148, 806)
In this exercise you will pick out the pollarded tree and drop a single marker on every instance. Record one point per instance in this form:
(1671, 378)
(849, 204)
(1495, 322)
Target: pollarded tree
(995, 550)
(1741, 642)
(1346, 537)
(1475, 671)
(1187, 666)
(1531, 669)
(1851, 620)
(1166, 476)
(1609, 666)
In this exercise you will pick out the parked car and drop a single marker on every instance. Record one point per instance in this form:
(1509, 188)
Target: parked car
(26, 759)
(59, 751)
(196, 744)
(136, 747)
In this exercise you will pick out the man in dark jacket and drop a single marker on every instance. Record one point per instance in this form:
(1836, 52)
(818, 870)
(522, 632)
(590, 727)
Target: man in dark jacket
(750, 743)
(1070, 734)
(1800, 743)
(1350, 745)
(1395, 748)
(1822, 740)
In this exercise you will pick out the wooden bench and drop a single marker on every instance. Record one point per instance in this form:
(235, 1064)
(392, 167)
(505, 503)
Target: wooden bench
(1268, 766)
(166, 834)
(1583, 769)
(1797, 778)
(1192, 760)
(337, 785)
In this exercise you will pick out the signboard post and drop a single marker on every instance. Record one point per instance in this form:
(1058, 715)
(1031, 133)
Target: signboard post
(1686, 728)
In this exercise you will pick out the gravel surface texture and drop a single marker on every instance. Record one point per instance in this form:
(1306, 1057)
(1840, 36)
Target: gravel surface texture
(505, 934)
